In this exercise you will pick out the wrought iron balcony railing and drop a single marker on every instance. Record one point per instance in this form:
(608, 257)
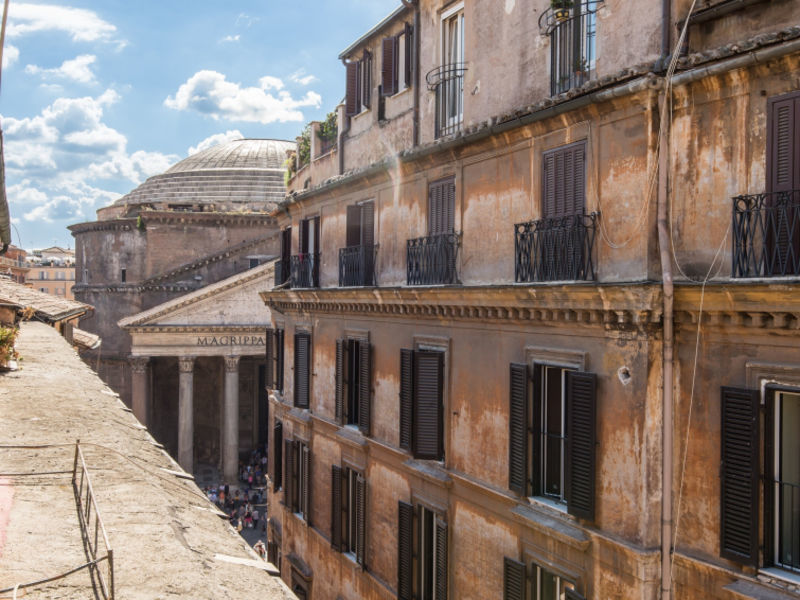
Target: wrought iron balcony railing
(766, 235)
(357, 266)
(448, 83)
(555, 249)
(305, 270)
(432, 260)
(281, 271)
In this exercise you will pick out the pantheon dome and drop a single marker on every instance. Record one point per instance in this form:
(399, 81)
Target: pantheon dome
(240, 175)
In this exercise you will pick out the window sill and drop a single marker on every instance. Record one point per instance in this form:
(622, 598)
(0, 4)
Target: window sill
(554, 523)
(351, 556)
(750, 590)
(430, 470)
(351, 435)
(781, 575)
(365, 111)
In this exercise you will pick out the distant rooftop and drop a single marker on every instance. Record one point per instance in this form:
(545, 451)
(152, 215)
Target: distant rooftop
(48, 307)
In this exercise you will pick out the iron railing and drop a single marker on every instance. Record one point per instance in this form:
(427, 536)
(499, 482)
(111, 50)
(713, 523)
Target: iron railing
(448, 83)
(282, 271)
(571, 26)
(305, 270)
(555, 249)
(92, 527)
(357, 266)
(787, 532)
(432, 260)
(766, 235)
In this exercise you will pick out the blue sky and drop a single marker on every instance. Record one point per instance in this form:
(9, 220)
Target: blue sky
(98, 95)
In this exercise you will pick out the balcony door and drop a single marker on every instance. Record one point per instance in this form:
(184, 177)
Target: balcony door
(453, 56)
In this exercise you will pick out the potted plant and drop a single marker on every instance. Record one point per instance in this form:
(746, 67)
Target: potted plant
(8, 355)
(561, 9)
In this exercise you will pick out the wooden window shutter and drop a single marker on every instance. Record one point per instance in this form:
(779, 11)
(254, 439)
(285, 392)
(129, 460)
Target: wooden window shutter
(289, 485)
(536, 427)
(368, 224)
(361, 518)
(353, 235)
(514, 587)
(435, 209)
(364, 385)
(336, 508)
(409, 35)
(405, 551)
(564, 181)
(269, 368)
(783, 143)
(739, 471)
(286, 243)
(302, 348)
(428, 417)
(441, 559)
(277, 459)
(406, 397)
(279, 347)
(518, 429)
(306, 458)
(389, 66)
(302, 237)
(449, 204)
(548, 186)
(366, 92)
(578, 205)
(581, 434)
(317, 232)
(339, 391)
(572, 594)
(351, 98)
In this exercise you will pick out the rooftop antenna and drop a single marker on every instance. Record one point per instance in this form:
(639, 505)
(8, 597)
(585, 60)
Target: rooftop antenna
(5, 218)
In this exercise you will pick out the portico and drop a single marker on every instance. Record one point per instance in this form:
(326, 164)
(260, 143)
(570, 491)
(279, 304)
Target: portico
(197, 367)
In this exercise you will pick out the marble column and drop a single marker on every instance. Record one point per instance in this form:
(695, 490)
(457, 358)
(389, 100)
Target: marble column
(186, 413)
(230, 451)
(140, 390)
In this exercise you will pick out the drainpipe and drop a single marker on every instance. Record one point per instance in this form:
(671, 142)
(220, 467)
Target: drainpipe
(343, 129)
(415, 67)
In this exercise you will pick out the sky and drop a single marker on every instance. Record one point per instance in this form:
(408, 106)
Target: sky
(99, 95)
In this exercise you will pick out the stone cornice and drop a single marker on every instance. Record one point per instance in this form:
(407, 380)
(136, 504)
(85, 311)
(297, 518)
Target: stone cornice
(111, 225)
(196, 329)
(217, 218)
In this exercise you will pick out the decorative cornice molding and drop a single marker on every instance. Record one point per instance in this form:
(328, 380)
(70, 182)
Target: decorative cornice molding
(216, 218)
(237, 329)
(124, 224)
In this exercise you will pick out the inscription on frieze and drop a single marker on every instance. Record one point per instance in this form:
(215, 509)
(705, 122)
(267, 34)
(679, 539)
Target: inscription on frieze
(231, 340)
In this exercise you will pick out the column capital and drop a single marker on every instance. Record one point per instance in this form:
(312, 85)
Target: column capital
(138, 363)
(231, 363)
(186, 364)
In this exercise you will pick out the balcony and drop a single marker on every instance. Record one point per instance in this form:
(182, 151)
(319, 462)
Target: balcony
(448, 83)
(555, 249)
(766, 235)
(281, 271)
(305, 270)
(432, 260)
(357, 266)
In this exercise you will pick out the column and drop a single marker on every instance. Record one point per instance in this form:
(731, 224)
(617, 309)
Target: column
(186, 413)
(230, 451)
(140, 396)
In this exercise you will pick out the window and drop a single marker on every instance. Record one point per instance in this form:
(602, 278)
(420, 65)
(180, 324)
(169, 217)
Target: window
(348, 518)
(422, 554)
(396, 62)
(563, 181)
(123, 275)
(60, 275)
(282, 269)
(442, 206)
(274, 544)
(276, 450)
(274, 358)
(302, 368)
(453, 57)
(359, 84)
(42, 274)
(305, 267)
(541, 585)
(252, 263)
(552, 435)
(783, 484)
(572, 45)
(353, 383)
(421, 403)
(297, 472)
(357, 260)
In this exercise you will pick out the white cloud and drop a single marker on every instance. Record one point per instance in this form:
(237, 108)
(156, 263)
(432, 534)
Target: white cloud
(10, 55)
(209, 93)
(300, 77)
(214, 140)
(230, 38)
(248, 21)
(77, 69)
(80, 24)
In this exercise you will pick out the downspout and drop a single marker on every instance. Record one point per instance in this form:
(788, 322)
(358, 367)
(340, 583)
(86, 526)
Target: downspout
(667, 445)
(342, 134)
(415, 67)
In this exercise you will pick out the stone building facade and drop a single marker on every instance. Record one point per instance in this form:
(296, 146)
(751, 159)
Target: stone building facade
(203, 222)
(538, 339)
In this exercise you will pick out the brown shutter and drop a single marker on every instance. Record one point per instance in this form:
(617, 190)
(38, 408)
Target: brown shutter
(336, 508)
(389, 66)
(351, 98)
(368, 224)
(441, 559)
(406, 397)
(573, 595)
(289, 484)
(783, 144)
(302, 349)
(317, 232)
(405, 551)
(427, 431)
(366, 92)
(548, 186)
(409, 35)
(449, 204)
(578, 205)
(302, 237)
(581, 443)
(364, 388)
(435, 209)
(536, 427)
(739, 471)
(286, 243)
(353, 235)
(277, 460)
(564, 181)
(518, 429)
(306, 483)
(513, 580)
(339, 376)
(361, 518)
(269, 375)
(279, 347)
